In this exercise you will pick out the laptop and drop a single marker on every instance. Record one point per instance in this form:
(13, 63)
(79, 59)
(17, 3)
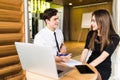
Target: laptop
(40, 60)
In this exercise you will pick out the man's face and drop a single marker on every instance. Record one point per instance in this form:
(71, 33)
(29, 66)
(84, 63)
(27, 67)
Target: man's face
(53, 22)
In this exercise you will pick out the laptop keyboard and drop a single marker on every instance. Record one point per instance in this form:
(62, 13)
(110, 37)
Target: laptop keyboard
(59, 71)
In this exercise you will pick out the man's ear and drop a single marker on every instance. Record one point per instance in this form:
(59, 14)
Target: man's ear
(47, 20)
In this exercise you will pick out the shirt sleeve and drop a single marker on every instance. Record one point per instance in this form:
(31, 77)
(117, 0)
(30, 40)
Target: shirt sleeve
(39, 40)
(88, 39)
(111, 47)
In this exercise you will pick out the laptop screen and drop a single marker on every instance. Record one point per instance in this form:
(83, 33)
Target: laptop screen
(37, 59)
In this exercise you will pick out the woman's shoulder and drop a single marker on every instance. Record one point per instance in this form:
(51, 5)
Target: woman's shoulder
(115, 36)
(90, 33)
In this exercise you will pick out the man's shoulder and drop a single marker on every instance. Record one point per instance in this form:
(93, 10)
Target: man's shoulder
(59, 30)
(42, 30)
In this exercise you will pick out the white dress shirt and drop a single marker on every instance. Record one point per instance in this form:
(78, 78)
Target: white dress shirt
(45, 37)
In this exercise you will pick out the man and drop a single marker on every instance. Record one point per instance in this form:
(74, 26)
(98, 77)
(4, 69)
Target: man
(51, 35)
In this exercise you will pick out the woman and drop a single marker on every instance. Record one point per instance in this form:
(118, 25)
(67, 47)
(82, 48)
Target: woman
(102, 40)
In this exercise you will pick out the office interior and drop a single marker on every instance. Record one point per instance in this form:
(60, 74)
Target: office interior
(17, 18)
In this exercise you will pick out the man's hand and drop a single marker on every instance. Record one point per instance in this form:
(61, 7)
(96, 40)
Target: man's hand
(63, 58)
(63, 49)
(66, 58)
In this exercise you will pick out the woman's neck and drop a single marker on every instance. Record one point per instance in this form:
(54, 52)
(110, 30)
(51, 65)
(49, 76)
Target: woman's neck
(99, 33)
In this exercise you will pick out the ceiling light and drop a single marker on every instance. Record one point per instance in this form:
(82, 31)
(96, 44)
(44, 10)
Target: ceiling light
(70, 3)
(80, 0)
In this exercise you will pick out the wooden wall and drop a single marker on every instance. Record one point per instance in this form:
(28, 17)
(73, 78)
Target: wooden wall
(76, 18)
(11, 30)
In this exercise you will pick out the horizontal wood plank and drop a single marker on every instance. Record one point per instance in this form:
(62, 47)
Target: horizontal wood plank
(10, 18)
(10, 69)
(5, 61)
(11, 2)
(9, 7)
(7, 50)
(19, 76)
(9, 27)
(10, 37)
(9, 12)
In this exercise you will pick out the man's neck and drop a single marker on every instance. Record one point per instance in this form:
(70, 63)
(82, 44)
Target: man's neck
(51, 28)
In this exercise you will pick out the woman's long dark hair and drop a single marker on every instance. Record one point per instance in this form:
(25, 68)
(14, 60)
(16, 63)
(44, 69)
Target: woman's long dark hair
(104, 21)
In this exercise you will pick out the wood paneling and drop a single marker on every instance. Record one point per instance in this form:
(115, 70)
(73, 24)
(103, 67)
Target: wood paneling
(10, 27)
(10, 37)
(10, 69)
(9, 60)
(7, 50)
(10, 15)
(11, 5)
(11, 30)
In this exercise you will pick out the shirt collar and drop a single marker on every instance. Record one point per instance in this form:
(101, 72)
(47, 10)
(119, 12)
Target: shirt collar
(50, 30)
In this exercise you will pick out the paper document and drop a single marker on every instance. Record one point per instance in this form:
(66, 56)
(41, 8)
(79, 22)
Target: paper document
(72, 63)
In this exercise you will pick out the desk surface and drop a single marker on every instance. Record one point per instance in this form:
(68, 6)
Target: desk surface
(72, 75)
(75, 75)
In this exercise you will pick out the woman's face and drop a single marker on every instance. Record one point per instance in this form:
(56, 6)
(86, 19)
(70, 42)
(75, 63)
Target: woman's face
(94, 25)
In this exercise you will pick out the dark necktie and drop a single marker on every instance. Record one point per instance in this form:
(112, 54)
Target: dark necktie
(56, 43)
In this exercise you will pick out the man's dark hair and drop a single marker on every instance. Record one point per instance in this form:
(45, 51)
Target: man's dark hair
(48, 13)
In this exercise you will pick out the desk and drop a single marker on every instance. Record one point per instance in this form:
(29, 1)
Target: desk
(72, 75)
